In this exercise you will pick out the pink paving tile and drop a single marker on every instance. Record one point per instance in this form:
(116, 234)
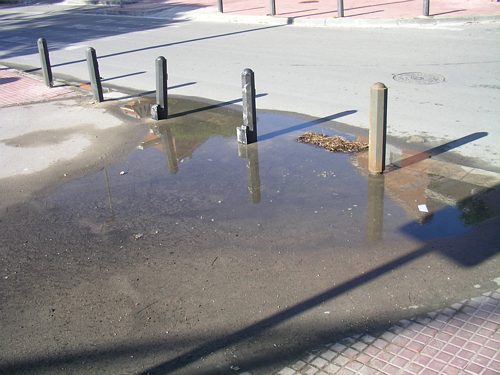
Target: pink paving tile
(423, 359)
(20, 89)
(444, 357)
(459, 362)
(391, 369)
(451, 370)
(372, 350)
(400, 340)
(407, 354)
(429, 351)
(451, 349)
(399, 361)
(479, 339)
(415, 346)
(465, 354)
(487, 352)
(481, 360)
(414, 368)
(354, 366)
(428, 371)
(393, 349)
(363, 358)
(474, 369)
(437, 344)
(350, 353)
(436, 365)
(458, 341)
(472, 346)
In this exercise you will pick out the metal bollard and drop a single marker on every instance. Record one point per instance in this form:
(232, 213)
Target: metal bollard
(43, 51)
(378, 128)
(426, 7)
(95, 78)
(272, 4)
(247, 133)
(340, 8)
(159, 111)
(220, 6)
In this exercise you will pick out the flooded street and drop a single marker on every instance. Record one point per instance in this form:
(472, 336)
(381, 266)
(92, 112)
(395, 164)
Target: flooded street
(196, 255)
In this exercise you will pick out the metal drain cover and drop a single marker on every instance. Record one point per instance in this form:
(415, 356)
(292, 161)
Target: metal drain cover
(419, 78)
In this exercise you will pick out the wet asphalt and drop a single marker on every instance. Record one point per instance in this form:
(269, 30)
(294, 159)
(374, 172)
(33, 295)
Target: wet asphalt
(195, 255)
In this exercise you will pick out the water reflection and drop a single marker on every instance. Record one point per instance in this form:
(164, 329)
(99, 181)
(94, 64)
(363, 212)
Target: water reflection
(375, 208)
(251, 154)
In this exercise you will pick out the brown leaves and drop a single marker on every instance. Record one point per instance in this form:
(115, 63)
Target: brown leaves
(333, 144)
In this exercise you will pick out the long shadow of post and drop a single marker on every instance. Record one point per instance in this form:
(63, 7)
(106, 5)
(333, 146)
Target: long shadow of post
(435, 151)
(485, 246)
(304, 125)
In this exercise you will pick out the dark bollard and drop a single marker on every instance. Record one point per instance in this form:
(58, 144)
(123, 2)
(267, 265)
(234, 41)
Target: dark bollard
(43, 51)
(95, 78)
(220, 6)
(251, 154)
(272, 4)
(375, 208)
(159, 111)
(426, 7)
(378, 128)
(247, 133)
(340, 8)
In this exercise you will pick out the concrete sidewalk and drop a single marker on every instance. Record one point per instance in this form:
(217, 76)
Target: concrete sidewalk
(317, 12)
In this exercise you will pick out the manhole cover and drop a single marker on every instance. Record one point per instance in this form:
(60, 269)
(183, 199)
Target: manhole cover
(419, 78)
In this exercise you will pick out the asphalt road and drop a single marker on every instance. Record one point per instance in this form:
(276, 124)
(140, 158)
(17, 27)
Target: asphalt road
(315, 71)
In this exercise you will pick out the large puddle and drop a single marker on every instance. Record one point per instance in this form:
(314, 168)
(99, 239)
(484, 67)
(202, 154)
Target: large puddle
(197, 255)
(190, 167)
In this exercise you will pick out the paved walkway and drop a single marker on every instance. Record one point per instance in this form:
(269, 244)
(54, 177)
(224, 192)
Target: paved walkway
(16, 89)
(322, 9)
(461, 339)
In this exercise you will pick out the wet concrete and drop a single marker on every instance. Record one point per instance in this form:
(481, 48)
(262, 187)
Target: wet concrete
(194, 255)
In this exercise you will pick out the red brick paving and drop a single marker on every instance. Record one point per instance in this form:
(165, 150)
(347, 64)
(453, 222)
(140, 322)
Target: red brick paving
(18, 89)
(461, 339)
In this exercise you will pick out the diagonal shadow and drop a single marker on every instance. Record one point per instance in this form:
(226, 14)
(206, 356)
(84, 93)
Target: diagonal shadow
(122, 76)
(434, 151)
(212, 106)
(146, 93)
(162, 46)
(484, 242)
(460, 254)
(304, 125)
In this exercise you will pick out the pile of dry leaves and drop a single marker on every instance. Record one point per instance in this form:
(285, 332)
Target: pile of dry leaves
(333, 144)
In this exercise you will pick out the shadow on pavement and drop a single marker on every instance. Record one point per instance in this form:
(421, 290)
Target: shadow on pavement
(466, 250)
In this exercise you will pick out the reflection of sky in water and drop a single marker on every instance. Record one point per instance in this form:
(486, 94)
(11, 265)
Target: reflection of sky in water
(194, 172)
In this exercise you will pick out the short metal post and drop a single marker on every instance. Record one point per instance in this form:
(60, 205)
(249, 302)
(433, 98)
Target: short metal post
(160, 110)
(272, 4)
(340, 8)
(95, 78)
(247, 133)
(43, 51)
(426, 7)
(378, 128)
(220, 5)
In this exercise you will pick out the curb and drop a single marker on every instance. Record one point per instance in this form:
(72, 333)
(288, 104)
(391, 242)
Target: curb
(341, 22)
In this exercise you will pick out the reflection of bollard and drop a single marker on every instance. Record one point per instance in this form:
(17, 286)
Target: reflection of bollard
(251, 154)
(220, 5)
(378, 128)
(426, 7)
(247, 133)
(167, 141)
(95, 78)
(43, 51)
(160, 110)
(272, 4)
(375, 207)
(340, 8)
